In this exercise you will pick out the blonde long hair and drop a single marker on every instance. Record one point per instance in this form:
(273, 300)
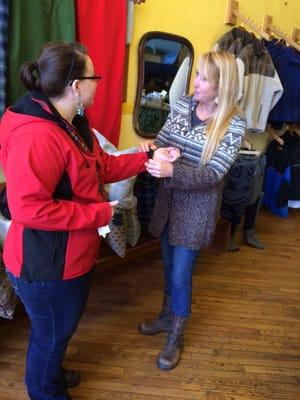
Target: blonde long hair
(219, 68)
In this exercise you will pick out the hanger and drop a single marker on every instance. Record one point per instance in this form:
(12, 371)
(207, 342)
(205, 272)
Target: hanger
(275, 135)
(251, 152)
(295, 128)
(246, 144)
(247, 148)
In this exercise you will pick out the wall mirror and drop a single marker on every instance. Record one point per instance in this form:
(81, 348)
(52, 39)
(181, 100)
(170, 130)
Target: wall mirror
(164, 70)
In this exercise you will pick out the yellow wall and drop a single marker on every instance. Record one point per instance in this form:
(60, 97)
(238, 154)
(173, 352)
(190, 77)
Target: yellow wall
(200, 21)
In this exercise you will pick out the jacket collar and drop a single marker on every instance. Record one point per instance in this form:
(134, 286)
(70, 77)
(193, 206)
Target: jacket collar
(38, 105)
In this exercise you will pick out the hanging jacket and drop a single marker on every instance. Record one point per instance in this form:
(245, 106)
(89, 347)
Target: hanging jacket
(259, 85)
(277, 185)
(287, 63)
(101, 26)
(31, 24)
(55, 175)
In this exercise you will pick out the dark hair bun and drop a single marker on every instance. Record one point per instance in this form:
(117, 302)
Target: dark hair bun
(28, 77)
(57, 64)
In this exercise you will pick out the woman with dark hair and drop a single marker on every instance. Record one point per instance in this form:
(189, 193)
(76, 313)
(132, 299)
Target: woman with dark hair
(55, 174)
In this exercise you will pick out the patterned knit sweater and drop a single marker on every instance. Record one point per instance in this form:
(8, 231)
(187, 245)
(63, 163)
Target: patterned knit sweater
(189, 202)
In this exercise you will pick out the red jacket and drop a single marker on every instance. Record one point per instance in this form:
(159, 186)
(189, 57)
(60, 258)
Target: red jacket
(55, 195)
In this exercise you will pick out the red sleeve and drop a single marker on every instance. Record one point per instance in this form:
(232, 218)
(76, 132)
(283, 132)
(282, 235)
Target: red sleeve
(34, 166)
(117, 168)
(123, 166)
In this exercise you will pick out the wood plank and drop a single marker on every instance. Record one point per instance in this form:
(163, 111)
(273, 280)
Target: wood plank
(242, 341)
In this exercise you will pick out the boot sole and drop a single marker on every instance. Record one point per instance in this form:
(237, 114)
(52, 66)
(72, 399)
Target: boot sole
(164, 368)
(172, 366)
(151, 333)
(74, 378)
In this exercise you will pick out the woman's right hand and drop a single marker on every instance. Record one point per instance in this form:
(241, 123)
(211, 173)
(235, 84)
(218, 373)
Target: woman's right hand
(159, 168)
(113, 205)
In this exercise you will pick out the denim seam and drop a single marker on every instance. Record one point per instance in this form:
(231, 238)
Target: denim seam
(52, 345)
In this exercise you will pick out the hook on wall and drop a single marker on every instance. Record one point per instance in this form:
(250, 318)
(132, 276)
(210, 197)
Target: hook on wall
(271, 29)
(268, 29)
(295, 35)
(232, 14)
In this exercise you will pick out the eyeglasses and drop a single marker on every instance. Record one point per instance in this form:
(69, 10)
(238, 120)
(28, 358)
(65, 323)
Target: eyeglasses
(72, 66)
(95, 77)
(80, 78)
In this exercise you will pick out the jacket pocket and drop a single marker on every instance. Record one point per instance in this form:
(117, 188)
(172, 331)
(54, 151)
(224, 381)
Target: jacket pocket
(44, 254)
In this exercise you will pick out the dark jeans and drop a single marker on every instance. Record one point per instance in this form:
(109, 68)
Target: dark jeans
(179, 263)
(54, 309)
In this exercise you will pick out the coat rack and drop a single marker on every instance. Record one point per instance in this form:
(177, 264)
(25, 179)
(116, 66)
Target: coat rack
(268, 29)
(232, 13)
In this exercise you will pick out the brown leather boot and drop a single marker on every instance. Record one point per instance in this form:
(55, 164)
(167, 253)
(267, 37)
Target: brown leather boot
(161, 323)
(169, 357)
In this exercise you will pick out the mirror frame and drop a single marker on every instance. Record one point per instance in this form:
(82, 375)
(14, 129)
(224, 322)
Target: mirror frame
(141, 71)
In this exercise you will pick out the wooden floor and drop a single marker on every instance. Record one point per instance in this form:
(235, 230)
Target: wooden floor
(243, 339)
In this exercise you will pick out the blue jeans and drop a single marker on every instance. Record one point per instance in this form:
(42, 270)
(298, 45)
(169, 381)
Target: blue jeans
(54, 309)
(179, 263)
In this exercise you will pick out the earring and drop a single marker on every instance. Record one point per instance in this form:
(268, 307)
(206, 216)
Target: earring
(79, 106)
(217, 100)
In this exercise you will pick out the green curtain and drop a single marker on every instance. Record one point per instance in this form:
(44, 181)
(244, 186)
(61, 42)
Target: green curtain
(33, 23)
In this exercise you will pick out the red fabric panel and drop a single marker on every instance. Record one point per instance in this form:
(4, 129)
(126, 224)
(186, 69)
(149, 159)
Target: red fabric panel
(101, 27)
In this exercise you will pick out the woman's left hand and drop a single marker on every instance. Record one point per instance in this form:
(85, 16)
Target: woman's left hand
(159, 168)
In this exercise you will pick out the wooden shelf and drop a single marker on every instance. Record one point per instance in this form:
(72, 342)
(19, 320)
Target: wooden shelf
(108, 259)
(148, 244)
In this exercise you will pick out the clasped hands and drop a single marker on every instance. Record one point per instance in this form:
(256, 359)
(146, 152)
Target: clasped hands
(160, 166)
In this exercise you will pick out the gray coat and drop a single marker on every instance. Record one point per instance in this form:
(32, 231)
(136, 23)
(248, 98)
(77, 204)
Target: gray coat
(190, 201)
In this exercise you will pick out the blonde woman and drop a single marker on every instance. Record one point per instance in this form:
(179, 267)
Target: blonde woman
(208, 129)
